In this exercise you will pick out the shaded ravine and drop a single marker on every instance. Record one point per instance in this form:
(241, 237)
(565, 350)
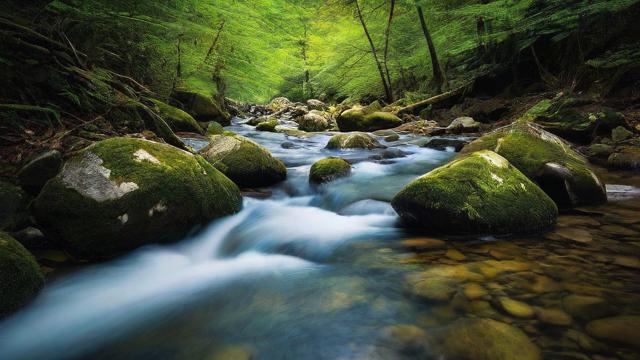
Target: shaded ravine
(310, 272)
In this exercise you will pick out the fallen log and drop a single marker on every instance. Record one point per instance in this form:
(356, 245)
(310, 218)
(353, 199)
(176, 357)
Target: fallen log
(448, 98)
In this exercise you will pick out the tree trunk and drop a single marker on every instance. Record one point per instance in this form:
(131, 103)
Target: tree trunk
(438, 76)
(307, 89)
(387, 34)
(387, 87)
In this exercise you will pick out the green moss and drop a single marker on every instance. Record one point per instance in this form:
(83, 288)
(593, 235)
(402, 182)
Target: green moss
(354, 140)
(243, 161)
(620, 134)
(328, 169)
(201, 106)
(177, 119)
(20, 275)
(480, 193)
(533, 150)
(269, 126)
(215, 128)
(152, 193)
(357, 119)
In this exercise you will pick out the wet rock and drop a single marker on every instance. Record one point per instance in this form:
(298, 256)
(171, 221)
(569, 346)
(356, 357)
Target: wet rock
(474, 291)
(269, 126)
(355, 140)
(583, 341)
(600, 150)
(586, 307)
(122, 193)
(546, 159)
(392, 137)
(234, 353)
(463, 125)
(244, 161)
(515, 308)
(618, 230)
(20, 275)
(553, 316)
(202, 107)
(288, 145)
(619, 329)
(480, 193)
(482, 339)
(314, 121)
(620, 134)
(329, 169)
(406, 339)
(14, 201)
(178, 120)
(575, 234)
(625, 158)
(39, 170)
(31, 238)
(435, 289)
(443, 144)
(627, 261)
(359, 119)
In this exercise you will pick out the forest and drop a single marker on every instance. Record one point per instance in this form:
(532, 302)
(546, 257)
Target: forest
(320, 179)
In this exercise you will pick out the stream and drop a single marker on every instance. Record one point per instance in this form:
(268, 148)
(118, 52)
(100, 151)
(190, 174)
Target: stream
(315, 272)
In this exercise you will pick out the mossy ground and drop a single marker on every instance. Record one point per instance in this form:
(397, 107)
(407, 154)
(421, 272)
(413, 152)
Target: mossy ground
(530, 148)
(329, 169)
(20, 275)
(480, 193)
(190, 189)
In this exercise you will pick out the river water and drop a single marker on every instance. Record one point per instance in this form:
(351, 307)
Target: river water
(316, 272)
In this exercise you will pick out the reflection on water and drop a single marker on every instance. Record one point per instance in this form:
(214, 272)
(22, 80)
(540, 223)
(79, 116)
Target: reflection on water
(317, 272)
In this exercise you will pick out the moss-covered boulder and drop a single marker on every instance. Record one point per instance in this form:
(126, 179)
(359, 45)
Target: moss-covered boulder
(314, 104)
(463, 125)
(269, 126)
(328, 169)
(478, 194)
(357, 119)
(13, 207)
(39, 169)
(620, 134)
(354, 140)
(314, 120)
(546, 159)
(573, 119)
(625, 158)
(178, 120)
(122, 193)
(20, 275)
(243, 161)
(203, 108)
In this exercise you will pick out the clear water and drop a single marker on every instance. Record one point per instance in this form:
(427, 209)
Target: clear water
(309, 273)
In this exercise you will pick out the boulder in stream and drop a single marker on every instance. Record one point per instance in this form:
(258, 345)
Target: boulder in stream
(328, 169)
(358, 119)
(269, 126)
(354, 140)
(243, 161)
(478, 194)
(178, 120)
(20, 275)
(122, 193)
(546, 159)
(314, 121)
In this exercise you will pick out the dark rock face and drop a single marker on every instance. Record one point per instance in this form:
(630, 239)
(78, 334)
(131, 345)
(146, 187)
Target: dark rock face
(444, 143)
(39, 170)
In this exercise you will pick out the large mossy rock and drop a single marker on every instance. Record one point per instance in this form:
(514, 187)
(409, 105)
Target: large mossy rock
(569, 118)
(243, 161)
(13, 207)
(20, 275)
(203, 108)
(546, 159)
(478, 194)
(625, 158)
(481, 339)
(269, 126)
(328, 169)
(354, 140)
(122, 193)
(358, 119)
(178, 120)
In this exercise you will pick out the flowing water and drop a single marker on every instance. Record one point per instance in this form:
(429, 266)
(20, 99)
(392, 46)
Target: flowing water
(316, 272)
